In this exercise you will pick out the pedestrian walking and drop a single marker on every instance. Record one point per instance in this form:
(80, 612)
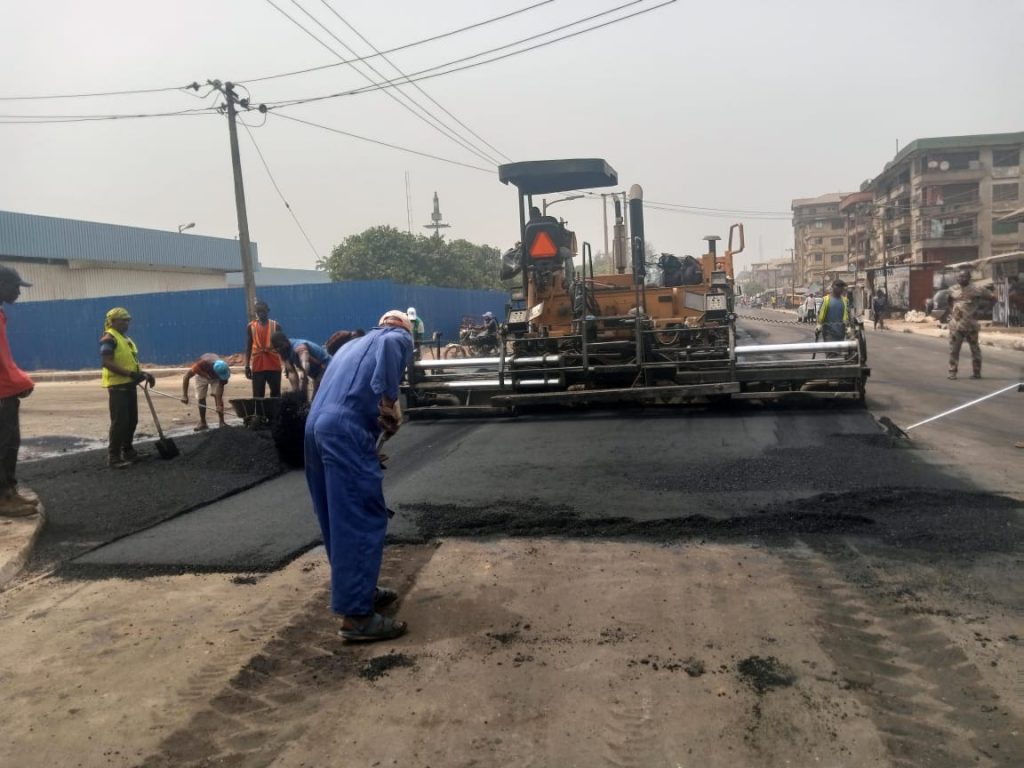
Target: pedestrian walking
(262, 363)
(358, 399)
(303, 360)
(964, 303)
(879, 307)
(210, 373)
(15, 385)
(339, 338)
(119, 358)
(834, 315)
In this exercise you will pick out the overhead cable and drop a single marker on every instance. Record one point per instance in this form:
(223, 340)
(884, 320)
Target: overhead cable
(434, 101)
(382, 143)
(440, 128)
(429, 73)
(404, 47)
(280, 194)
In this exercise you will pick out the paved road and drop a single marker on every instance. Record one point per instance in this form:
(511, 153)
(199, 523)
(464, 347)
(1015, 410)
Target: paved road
(660, 472)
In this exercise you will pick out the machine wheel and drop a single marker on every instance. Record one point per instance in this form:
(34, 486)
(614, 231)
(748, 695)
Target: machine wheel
(453, 352)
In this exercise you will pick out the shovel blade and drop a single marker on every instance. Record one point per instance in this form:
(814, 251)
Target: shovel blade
(166, 448)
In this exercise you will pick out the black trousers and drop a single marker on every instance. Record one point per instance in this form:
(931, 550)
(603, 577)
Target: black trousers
(262, 379)
(124, 417)
(10, 442)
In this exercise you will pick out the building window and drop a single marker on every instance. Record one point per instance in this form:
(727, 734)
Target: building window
(819, 224)
(816, 240)
(838, 224)
(837, 241)
(1004, 227)
(837, 258)
(816, 256)
(1005, 158)
(1005, 193)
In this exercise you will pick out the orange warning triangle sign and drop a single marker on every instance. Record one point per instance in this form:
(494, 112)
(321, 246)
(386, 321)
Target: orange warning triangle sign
(543, 247)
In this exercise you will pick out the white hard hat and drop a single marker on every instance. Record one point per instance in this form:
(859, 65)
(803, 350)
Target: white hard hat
(411, 312)
(394, 316)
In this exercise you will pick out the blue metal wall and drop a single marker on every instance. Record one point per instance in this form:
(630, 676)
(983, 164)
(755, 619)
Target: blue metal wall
(175, 328)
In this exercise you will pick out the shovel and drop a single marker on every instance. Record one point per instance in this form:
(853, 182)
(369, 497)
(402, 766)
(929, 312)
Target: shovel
(164, 446)
(893, 430)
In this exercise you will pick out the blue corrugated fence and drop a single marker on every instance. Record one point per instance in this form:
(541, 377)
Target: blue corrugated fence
(175, 328)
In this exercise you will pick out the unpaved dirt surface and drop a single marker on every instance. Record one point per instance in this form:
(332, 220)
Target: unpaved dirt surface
(67, 416)
(545, 652)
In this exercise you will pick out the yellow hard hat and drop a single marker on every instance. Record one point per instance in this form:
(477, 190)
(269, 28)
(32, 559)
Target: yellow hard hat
(118, 313)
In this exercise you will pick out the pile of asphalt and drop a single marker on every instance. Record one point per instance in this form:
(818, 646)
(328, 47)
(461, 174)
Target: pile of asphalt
(88, 504)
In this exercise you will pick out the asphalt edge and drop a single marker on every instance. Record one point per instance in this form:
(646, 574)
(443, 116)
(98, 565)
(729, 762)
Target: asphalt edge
(17, 559)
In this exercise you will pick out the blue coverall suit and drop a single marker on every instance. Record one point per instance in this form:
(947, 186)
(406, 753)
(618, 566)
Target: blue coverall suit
(342, 468)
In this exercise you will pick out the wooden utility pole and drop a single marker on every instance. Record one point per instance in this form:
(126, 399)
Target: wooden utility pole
(248, 278)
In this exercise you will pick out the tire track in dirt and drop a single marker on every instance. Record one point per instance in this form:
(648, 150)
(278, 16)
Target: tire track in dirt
(628, 728)
(252, 718)
(925, 696)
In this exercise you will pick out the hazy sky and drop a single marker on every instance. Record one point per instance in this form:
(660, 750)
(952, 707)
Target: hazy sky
(739, 105)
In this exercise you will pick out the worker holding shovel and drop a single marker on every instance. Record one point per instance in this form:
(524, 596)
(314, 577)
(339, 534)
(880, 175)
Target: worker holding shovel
(210, 372)
(119, 358)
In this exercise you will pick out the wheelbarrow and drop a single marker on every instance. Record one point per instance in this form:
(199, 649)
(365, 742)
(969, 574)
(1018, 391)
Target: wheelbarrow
(256, 412)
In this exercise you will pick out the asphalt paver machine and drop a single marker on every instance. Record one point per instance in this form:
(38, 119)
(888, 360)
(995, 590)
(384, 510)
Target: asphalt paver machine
(637, 334)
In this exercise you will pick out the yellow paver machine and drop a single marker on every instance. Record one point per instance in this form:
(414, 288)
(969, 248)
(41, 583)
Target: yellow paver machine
(654, 336)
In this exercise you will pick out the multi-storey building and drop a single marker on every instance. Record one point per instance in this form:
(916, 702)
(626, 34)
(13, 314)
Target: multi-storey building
(940, 200)
(820, 239)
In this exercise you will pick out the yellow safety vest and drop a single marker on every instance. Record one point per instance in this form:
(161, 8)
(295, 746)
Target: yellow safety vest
(126, 356)
(824, 310)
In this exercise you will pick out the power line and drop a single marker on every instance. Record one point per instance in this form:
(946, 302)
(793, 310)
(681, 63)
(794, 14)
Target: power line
(279, 192)
(132, 92)
(47, 119)
(382, 143)
(404, 47)
(415, 85)
(437, 126)
(424, 74)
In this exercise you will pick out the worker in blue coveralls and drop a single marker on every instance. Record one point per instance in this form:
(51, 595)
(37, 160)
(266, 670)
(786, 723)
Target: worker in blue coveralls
(358, 399)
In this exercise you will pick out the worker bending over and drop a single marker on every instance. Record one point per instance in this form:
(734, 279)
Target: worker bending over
(210, 372)
(358, 399)
(299, 355)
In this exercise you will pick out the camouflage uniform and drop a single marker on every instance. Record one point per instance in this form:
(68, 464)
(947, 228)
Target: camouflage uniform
(963, 325)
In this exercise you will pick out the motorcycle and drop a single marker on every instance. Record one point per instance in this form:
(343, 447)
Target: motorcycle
(473, 342)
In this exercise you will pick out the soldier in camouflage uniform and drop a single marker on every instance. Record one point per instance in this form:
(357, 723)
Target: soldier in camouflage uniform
(964, 299)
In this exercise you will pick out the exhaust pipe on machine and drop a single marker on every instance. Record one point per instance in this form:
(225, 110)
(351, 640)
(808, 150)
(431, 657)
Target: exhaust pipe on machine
(636, 230)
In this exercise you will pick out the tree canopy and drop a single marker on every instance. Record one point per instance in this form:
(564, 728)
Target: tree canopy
(386, 253)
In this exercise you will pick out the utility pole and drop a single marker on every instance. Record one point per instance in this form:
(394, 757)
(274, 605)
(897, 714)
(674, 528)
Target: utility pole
(792, 271)
(248, 279)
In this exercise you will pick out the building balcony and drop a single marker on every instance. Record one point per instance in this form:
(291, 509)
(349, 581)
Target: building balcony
(948, 241)
(1007, 237)
(898, 191)
(1006, 172)
(960, 206)
(935, 176)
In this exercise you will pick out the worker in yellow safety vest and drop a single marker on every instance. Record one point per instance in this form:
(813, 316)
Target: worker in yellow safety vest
(834, 315)
(121, 375)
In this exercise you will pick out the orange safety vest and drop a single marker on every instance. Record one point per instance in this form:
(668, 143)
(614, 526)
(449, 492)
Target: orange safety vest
(264, 358)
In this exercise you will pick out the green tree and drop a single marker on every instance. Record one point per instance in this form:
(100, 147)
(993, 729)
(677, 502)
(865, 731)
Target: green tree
(386, 253)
